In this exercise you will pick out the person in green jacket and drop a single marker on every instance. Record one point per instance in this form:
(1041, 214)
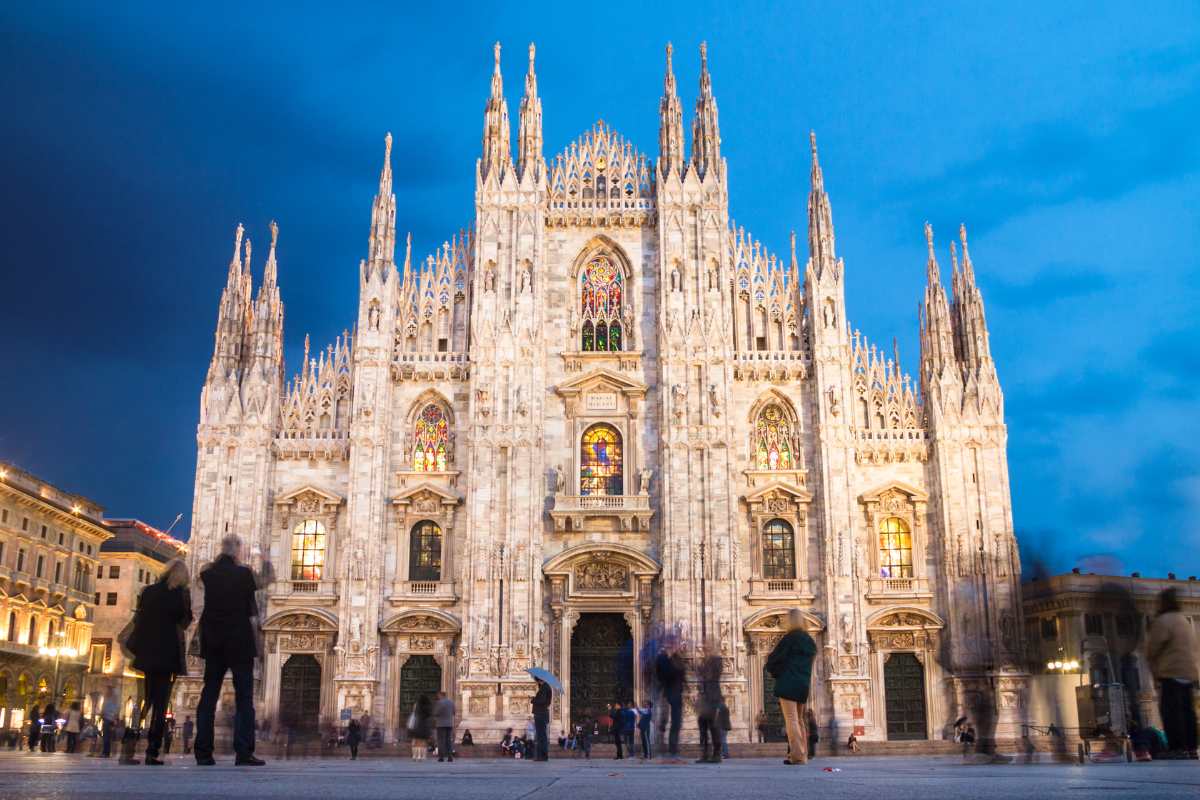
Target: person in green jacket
(791, 663)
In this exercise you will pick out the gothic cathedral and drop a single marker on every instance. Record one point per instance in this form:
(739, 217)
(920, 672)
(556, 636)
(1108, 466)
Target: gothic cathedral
(602, 413)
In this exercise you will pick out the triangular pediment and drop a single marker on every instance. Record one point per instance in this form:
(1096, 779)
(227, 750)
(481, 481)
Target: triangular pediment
(426, 492)
(775, 488)
(601, 378)
(310, 495)
(914, 494)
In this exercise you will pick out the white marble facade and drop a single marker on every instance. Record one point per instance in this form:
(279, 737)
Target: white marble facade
(771, 457)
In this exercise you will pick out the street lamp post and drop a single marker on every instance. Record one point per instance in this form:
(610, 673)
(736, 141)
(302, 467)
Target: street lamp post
(57, 652)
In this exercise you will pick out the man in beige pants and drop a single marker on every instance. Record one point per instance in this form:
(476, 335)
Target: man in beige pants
(791, 663)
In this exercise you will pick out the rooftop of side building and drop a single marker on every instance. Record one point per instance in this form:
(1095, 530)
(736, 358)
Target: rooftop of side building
(1086, 584)
(135, 536)
(24, 481)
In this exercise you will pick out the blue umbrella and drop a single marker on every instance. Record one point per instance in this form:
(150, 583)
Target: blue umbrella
(543, 675)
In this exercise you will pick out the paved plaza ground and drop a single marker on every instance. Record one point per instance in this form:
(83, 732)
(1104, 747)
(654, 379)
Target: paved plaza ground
(36, 775)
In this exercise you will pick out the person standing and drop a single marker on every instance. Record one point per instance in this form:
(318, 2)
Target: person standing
(418, 727)
(708, 705)
(790, 663)
(645, 715)
(110, 709)
(669, 671)
(168, 736)
(163, 613)
(353, 738)
(618, 729)
(541, 719)
(189, 728)
(49, 728)
(443, 718)
(35, 728)
(73, 725)
(1171, 651)
(761, 724)
(228, 644)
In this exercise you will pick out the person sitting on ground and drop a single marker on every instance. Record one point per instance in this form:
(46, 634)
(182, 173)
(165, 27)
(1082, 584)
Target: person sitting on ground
(852, 744)
(506, 742)
(467, 739)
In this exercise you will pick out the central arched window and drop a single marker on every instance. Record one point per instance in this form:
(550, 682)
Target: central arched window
(308, 551)
(32, 639)
(601, 293)
(600, 462)
(773, 440)
(425, 552)
(895, 549)
(431, 445)
(779, 550)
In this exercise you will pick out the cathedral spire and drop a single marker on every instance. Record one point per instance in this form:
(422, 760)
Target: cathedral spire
(271, 272)
(937, 328)
(706, 134)
(529, 147)
(670, 124)
(381, 246)
(820, 217)
(974, 348)
(497, 150)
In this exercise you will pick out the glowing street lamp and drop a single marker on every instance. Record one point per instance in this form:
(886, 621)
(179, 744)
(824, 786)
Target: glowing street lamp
(56, 653)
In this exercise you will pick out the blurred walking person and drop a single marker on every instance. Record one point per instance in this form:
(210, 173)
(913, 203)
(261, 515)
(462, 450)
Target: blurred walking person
(110, 709)
(418, 727)
(618, 730)
(1171, 651)
(189, 728)
(791, 663)
(708, 705)
(228, 644)
(669, 671)
(73, 725)
(163, 613)
(541, 719)
(443, 718)
(353, 738)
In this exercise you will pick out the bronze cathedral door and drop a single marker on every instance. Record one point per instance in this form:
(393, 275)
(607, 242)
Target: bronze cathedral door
(601, 664)
(420, 675)
(300, 692)
(904, 695)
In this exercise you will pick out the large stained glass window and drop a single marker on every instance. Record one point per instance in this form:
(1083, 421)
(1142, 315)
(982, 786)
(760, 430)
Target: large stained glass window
(308, 551)
(895, 549)
(425, 552)
(601, 293)
(773, 440)
(600, 462)
(431, 443)
(779, 550)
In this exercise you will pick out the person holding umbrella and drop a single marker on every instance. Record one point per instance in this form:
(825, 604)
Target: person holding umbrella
(541, 711)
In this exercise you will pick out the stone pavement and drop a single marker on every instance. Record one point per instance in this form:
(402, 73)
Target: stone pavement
(37, 775)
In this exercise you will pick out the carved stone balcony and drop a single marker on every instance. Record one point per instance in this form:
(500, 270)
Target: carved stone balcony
(572, 511)
(889, 590)
(773, 590)
(428, 592)
(320, 593)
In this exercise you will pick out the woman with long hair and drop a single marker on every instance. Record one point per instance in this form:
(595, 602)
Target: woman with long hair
(164, 611)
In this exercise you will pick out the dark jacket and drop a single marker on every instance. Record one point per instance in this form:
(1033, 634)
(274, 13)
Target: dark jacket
(670, 673)
(709, 698)
(353, 733)
(158, 623)
(541, 701)
(225, 629)
(791, 663)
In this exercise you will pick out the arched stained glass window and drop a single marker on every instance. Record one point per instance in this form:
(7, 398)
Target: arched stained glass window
(895, 549)
(773, 440)
(308, 551)
(600, 462)
(431, 442)
(425, 552)
(779, 550)
(601, 294)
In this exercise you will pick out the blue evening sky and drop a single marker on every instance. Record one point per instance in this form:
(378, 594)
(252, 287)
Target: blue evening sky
(1065, 135)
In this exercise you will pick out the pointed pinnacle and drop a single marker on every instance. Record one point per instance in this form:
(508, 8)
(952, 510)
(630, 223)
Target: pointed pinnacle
(387, 146)
(929, 240)
(532, 51)
(274, 233)
(496, 50)
(812, 142)
(954, 257)
(793, 248)
(247, 247)
(237, 241)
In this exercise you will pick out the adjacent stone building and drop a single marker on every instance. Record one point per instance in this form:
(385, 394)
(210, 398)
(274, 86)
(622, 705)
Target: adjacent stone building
(601, 412)
(50, 542)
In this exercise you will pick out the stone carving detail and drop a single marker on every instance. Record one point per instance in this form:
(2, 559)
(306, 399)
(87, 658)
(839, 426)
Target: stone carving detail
(421, 642)
(601, 575)
(478, 705)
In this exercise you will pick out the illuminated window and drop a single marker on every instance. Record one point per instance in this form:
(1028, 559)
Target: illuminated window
(308, 551)
(895, 549)
(431, 445)
(779, 550)
(601, 293)
(600, 462)
(773, 440)
(425, 552)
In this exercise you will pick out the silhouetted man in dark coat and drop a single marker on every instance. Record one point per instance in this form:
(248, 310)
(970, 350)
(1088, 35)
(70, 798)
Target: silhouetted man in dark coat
(228, 643)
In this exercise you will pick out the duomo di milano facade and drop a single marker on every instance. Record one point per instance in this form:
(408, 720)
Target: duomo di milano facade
(604, 411)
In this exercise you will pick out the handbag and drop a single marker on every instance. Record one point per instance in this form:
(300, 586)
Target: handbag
(412, 721)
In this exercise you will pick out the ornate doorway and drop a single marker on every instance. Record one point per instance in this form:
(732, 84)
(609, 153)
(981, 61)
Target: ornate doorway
(904, 695)
(601, 664)
(420, 675)
(300, 692)
(772, 710)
